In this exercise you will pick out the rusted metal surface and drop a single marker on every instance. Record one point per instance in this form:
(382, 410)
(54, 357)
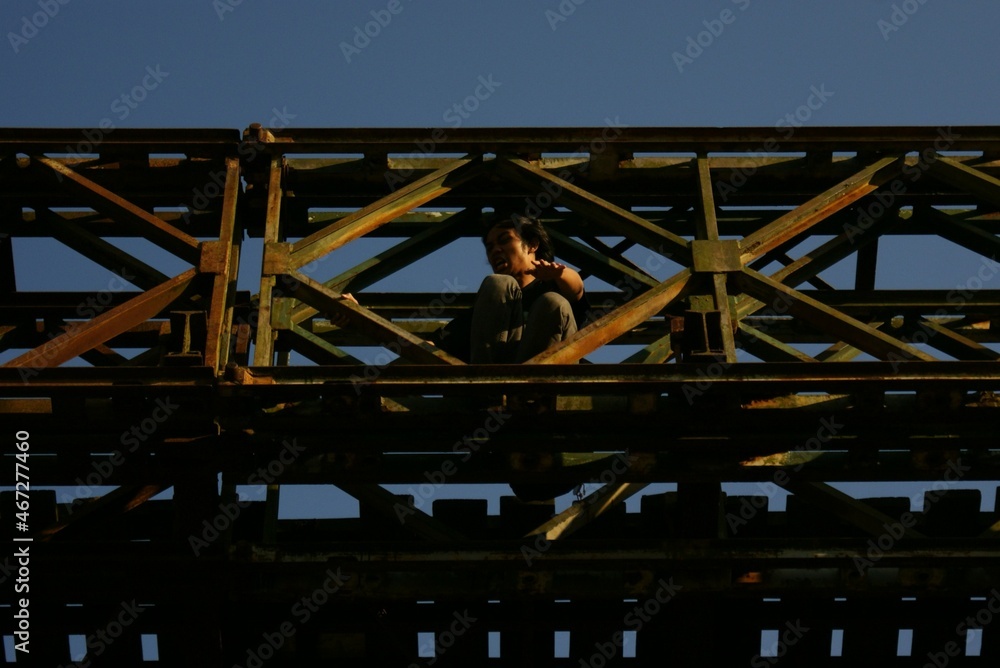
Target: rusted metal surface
(836, 198)
(167, 236)
(409, 197)
(403, 343)
(863, 336)
(754, 367)
(106, 325)
(616, 323)
(390, 261)
(264, 348)
(777, 376)
(222, 260)
(634, 139)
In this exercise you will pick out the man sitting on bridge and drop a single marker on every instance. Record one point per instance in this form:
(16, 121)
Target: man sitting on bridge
(530, 302)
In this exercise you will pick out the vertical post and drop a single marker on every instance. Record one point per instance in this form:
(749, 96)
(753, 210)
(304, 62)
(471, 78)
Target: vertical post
(867, 263)
(220, 315)
(708, 230)
(8, 282)
(194, 632)
(272, 502)
(264, 347)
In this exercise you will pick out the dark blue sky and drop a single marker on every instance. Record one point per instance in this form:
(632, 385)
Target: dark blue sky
(748, 62)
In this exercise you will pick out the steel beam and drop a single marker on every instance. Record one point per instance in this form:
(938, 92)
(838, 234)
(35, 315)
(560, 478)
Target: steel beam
(379, 213)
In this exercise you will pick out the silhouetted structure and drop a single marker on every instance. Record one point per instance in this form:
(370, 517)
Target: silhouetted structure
(745, 365)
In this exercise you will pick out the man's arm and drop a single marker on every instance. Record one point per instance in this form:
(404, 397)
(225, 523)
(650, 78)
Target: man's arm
(567, 280)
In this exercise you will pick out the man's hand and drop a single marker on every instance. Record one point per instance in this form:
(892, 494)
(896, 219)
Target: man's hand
(339, 319)
(547, 271)
(567, 280)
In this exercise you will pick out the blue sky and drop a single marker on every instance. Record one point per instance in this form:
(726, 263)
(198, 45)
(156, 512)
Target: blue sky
(230, 62)
(406, 63)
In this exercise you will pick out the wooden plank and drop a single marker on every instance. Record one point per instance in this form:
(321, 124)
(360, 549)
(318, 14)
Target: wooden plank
(820, 207)
(612, 325)
(162, 234)
(601, 211)
(868, 339)
(106, 325)
(360, 319)
(385, 209)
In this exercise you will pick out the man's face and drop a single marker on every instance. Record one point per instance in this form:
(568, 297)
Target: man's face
(508, 254)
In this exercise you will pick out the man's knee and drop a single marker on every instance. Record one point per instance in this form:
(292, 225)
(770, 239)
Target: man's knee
(498, 280)
(499, 286)
(551, 302)
(554, 310)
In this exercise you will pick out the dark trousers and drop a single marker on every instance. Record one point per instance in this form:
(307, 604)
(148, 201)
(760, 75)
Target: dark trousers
(503, 333)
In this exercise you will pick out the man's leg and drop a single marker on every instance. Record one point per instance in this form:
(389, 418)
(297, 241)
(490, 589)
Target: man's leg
(497, 320)
(550, 321)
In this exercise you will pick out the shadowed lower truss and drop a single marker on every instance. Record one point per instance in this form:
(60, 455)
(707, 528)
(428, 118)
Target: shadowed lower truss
(748, 327)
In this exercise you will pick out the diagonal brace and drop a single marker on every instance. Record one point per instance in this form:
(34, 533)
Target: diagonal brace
(390, 261)
(820, 207)
(788, 300)
(99, 330)
(378, 213)
(962, 176)
(159, 232)
(361, 319)
(847, 508)
(613, 217)
(612, 325)
(584, 512)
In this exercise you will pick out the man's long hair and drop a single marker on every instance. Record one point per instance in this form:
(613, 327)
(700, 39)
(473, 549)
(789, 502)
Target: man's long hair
(531, 232)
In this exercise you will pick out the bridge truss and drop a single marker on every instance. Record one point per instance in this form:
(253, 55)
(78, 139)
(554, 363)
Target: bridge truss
(780, 420)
